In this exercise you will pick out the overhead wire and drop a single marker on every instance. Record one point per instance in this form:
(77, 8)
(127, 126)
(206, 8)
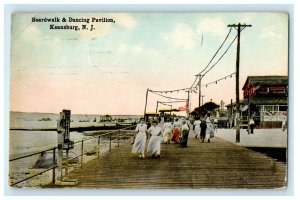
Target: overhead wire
(230, 75)
(199, 74)
(172, 101)
(220, 56)
(216, 52)
(166, 96)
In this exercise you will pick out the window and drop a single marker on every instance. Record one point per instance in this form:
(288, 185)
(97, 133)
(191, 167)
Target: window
(264, 89)
(283, 108)
(278, 89)
(270, 108)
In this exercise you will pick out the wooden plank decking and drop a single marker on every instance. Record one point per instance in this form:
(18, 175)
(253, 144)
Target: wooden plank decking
(218, 164)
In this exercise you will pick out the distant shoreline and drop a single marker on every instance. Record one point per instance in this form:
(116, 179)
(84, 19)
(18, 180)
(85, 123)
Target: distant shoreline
(77, 113)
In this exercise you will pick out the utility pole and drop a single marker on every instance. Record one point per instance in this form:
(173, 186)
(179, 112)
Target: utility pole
(200, 77)
(156, 106)
(248, 111)
(231, 114)
(202, 99)
(188, 104)
(238, 28)
(146, 102)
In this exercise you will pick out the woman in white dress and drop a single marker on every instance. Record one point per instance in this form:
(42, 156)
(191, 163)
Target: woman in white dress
(167, 129)
(155, 140)
(197, 129)
(210, 129)
(140, 139)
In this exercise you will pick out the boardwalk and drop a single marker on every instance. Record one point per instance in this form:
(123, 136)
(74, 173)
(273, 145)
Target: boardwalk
(219, 164)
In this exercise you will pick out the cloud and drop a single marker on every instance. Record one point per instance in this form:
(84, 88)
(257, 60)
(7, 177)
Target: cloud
(103, 29)
(26, 48)
(248, 17)
(137, 50)
(212, 25)
(183, 36)
(123, 48)
(125, 20)
(270, 34)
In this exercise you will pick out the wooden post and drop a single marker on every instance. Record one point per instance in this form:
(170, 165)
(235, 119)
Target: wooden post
(200, 77)
(67, 161)
(188, 105)
(248, 111)
(231, 114)
(146, 102)
(53, 173)
(156, 106)
(81, 153)
(118, 138)
(109, 141)
(99, 147)
(237, 88)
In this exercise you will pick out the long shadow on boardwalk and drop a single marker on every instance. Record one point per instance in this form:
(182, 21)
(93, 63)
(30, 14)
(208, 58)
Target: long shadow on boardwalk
(218, 164)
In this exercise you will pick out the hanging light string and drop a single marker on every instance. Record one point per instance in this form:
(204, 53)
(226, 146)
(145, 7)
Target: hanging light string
(170, 91)
(220, 56)
(192, 86)
(172, 101)
(165, 96)
(164, 103)
(216, 81)
(215, 53)
(190, 89)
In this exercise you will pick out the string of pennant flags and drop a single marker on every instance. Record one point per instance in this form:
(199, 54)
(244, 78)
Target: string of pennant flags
(172, 101)
(192, 89)
(194, 86)
(164, 103)
(154, 92)
(216, 81)
(171, 91)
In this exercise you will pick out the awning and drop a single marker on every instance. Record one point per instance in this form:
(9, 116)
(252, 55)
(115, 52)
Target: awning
(263, 101)
(168, 110)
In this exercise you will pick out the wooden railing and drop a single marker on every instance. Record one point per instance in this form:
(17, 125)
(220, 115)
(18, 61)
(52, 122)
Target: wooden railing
(115, 136)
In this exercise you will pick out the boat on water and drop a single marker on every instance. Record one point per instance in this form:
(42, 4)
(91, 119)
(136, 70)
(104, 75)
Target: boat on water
(45, 119)
(106, 118)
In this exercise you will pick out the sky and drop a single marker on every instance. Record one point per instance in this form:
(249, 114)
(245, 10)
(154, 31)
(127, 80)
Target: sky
(108, 70)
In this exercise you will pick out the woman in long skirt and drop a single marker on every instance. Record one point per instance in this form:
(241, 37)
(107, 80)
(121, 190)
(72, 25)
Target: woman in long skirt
(140, 139)
(167, 135)
(176, 129)
(203, 131)
(185, 134)
(210, 129)
(155, 140)
(197, 128)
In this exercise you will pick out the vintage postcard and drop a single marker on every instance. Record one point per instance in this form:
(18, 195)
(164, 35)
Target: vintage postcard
(183, 100)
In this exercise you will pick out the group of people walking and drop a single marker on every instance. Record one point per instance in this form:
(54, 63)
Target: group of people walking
(177, 132)
(139, 145)
(204, 127)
